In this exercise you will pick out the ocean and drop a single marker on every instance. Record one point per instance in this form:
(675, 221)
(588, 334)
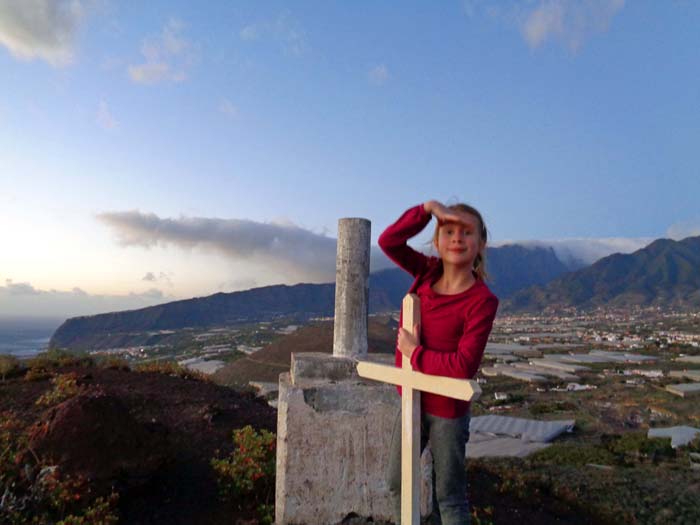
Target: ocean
(26, 336)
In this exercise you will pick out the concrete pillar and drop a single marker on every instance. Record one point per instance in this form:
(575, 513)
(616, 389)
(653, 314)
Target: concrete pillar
(334, 428)
(351, 289)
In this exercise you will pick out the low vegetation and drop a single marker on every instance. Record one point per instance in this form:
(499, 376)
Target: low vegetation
(170, 368)
(248, 473)
(114, 363)
(9, 365)
(65, 386)
(36, 488)
(38, 493)
(626, 478)
(56, 358)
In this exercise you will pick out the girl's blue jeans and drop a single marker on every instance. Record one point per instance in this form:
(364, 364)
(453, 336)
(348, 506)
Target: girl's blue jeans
(448, 438)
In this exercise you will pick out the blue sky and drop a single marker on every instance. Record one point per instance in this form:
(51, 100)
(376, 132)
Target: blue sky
(162, 150)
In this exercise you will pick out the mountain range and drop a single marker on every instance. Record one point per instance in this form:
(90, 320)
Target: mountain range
(664, 273)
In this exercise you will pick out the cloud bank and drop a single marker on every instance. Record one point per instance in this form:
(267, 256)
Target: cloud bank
(293, 254)
(23, 299)
(41, 29)
(681, 230)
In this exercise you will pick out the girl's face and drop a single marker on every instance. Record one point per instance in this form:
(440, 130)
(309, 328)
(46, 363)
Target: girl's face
(459, 243)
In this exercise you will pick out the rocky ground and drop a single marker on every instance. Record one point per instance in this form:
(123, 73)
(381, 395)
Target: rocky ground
(267, 364)
(149, 435)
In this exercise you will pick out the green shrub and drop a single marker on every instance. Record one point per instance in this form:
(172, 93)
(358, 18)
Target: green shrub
(64, 386)
(53, 498)
(101, 512)
(574, 454)
(546, 407)
(115, 363)
(9, 365)
(510, 400)
(482, 515)
(44, 496)
(266, 512)
(55, 358)
(12, 440)
(694, 445)
(637, 446)
(170, 368)
(248, 473)
(37, 374)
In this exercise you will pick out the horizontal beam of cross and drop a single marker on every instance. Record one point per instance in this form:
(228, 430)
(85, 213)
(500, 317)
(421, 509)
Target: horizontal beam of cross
(464, 389)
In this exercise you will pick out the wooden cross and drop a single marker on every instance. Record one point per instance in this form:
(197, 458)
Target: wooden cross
(412, 384)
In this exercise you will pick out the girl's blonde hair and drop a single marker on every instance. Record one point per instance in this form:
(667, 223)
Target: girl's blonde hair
(480, 261)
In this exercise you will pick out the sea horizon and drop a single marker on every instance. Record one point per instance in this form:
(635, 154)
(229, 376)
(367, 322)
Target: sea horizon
(25, 337)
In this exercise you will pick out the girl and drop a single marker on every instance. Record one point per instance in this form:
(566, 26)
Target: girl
(457, 311)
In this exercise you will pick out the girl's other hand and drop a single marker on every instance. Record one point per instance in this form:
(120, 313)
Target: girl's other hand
(444, 214)
(407, 341)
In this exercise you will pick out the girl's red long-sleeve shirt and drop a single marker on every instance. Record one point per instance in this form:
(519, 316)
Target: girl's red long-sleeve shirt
(454, 328)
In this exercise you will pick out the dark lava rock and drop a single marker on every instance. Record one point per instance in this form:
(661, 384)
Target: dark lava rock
(93, 435)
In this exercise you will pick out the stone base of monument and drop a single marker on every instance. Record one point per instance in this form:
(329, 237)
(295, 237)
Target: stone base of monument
(333, 435)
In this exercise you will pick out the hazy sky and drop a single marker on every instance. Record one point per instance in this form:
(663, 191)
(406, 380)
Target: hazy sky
(158, 150)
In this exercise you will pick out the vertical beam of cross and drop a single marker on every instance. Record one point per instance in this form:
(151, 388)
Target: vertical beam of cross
(410, 425)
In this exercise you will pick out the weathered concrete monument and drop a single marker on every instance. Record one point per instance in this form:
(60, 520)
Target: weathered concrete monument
(334, 428)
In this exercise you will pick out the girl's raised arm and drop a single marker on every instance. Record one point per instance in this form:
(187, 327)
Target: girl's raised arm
(393, 241)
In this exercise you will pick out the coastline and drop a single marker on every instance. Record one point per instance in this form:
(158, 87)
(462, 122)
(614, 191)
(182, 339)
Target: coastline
(24, 337)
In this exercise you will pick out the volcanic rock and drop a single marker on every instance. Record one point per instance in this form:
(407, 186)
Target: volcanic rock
(93, 436)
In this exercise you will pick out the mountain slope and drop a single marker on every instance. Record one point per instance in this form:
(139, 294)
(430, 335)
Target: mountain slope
(511, 267)
(665, 273)
(514, 267)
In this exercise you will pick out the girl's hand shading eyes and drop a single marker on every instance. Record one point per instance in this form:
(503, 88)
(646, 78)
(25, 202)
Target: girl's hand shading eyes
(444, 214)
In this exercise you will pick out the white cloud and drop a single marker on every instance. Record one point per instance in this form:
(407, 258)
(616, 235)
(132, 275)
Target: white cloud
(249, 33)
(105, 118)
(162, 277)
(41, 29)
(290, 252)
(285, 30)
(293, 37)
(152, 73)
(167, 57)
(378, 75)
(23, 299)
(681, 230)
(228, 109)
(569, 22)
(12, 288)
(588, 251)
